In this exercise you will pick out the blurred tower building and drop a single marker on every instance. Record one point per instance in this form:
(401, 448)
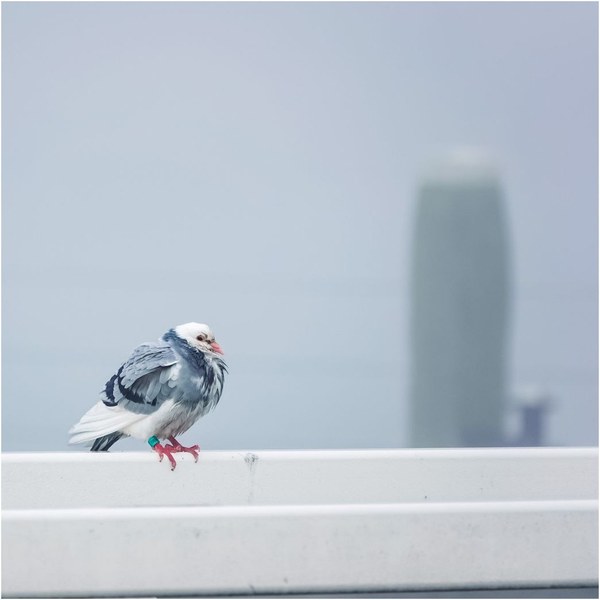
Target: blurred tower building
(459, 306)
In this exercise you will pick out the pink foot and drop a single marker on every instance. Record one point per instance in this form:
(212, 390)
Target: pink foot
(163, 451)
(175, 446)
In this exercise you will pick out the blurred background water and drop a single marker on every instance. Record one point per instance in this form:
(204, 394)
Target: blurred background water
(263, 168)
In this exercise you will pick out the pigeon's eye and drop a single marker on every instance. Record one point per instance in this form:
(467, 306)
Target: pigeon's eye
(201, 338)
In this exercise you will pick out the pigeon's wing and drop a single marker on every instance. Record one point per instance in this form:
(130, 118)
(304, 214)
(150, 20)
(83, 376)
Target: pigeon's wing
(144, 380)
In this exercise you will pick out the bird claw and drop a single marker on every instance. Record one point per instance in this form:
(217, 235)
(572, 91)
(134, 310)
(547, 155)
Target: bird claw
(168, 450)
(163, 451)
(177, 447)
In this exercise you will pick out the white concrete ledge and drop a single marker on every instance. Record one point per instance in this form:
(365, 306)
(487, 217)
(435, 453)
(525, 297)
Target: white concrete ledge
(281, 522)
(78, 480)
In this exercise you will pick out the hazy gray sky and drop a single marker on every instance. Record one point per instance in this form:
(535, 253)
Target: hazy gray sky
(255, 166)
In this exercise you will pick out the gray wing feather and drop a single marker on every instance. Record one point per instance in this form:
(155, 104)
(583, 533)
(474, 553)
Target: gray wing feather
(146, 359)
(165, 375)
(144, 380)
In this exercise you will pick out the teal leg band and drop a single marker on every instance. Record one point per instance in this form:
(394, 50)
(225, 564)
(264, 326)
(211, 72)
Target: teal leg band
(153, 441)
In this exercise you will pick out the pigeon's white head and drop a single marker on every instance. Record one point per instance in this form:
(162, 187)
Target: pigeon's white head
(199, 335)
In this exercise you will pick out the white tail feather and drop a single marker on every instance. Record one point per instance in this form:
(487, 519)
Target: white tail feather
(101, 420)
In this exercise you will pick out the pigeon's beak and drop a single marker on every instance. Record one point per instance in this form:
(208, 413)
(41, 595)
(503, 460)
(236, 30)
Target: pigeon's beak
(216, 347)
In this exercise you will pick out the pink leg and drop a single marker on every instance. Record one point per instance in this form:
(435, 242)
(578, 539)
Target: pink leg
(175, 446)
(165, 451)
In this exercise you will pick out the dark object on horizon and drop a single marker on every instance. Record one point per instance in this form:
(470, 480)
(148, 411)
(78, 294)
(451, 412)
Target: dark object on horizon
(533, 405)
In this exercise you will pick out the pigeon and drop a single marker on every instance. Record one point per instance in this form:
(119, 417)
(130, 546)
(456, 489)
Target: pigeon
(159, 392)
